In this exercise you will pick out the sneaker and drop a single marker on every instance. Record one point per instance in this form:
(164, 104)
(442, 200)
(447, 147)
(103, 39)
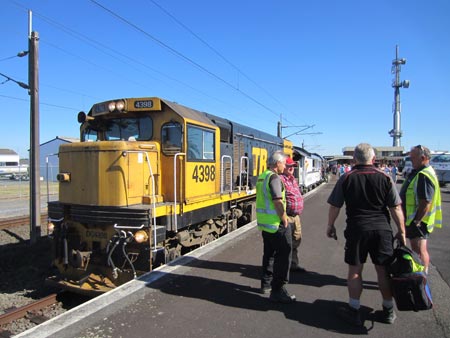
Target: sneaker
(281, 296)
(350, 315)
(386, 315)
(264, 290)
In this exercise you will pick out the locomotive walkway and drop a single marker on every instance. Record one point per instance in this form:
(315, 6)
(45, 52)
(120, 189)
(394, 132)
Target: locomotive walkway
(213, 292)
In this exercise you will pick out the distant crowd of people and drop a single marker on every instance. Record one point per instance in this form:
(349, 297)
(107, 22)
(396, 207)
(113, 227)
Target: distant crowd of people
(390, 169)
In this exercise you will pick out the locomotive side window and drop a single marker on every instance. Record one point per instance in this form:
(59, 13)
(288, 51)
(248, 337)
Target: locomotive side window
(171, 137)
(200, 144)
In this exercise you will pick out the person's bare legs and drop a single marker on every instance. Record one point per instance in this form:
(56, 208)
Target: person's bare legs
(354, 281)
(419, 245)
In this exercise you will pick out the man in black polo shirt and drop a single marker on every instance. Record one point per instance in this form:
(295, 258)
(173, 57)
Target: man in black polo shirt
(370, 198)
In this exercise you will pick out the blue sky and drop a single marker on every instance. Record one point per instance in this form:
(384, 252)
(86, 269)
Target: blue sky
(325, 64)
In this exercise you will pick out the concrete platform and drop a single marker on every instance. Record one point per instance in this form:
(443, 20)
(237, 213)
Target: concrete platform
(214, 292)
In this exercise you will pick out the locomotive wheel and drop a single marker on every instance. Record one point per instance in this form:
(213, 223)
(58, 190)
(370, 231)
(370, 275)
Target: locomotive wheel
(172, 253)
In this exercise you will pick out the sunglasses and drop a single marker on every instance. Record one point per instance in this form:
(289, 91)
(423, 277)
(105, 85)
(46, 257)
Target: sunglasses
(423, 151)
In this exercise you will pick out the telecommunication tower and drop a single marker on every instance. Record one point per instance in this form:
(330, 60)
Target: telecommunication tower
(396, 132)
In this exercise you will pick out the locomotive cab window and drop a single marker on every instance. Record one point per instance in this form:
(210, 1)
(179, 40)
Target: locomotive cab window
(171, 138)
(89, 135)
(200, 144)
(129, 129)
(125, 129)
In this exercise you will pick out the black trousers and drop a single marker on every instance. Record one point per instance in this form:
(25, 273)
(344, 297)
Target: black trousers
(276, 257)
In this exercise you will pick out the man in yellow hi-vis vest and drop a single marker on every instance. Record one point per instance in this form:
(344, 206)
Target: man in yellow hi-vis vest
(276, 232)
(421, 198)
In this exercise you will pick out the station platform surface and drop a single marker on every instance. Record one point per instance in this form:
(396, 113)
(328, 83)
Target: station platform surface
(214, 292)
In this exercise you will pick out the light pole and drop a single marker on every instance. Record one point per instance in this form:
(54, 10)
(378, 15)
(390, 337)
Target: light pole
(396, 132)
(35, 186)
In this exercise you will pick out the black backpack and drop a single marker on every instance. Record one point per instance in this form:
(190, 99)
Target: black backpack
(404, 260)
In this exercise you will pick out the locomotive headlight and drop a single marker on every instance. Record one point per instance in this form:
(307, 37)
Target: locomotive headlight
(120, 105)
(111, 106)
(63, 177)
(141, 236)
(50, 227)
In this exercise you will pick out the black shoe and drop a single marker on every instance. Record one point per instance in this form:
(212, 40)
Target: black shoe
(281, 296)
(386, 315)
(298, 269)
(350, 315)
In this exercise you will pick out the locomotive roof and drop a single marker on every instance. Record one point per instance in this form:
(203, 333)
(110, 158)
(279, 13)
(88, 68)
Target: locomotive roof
(216, 121)
(188, 112)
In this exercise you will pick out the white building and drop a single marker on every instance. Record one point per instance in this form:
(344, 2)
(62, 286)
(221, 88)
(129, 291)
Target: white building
(11, 165)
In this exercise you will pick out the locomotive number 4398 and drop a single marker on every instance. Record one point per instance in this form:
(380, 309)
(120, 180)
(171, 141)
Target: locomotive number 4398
(204, 173)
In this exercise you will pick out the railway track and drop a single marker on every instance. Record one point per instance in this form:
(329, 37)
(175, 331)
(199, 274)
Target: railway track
(17, 320)
(12, 222)
(29, 310)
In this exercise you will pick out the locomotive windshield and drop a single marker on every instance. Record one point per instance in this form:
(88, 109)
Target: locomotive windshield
(125, 129)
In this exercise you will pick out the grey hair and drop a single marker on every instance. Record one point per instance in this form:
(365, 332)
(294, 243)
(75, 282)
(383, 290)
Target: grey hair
(276, 157)
(423, 151)
(364, 153)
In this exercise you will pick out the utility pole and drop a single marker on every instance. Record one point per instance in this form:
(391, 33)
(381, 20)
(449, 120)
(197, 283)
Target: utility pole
(33, 83)
(396, 132)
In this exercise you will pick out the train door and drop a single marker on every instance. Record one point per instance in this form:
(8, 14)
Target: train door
(202, 173)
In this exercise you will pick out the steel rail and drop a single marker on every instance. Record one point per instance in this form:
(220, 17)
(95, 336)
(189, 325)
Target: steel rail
(22, 311)
(12, 222)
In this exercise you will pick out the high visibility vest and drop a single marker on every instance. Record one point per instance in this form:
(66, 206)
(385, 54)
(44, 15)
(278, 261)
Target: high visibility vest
(266, 215)
(433, 218)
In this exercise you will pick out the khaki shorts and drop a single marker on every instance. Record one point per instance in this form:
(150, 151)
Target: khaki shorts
(296, 227)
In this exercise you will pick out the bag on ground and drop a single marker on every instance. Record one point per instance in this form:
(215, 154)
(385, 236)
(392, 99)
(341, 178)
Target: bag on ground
(409, 282)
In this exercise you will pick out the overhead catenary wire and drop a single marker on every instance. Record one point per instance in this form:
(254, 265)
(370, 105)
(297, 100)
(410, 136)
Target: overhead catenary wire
(111, 53)
(125, 58)
(220, 55)
(182, 56)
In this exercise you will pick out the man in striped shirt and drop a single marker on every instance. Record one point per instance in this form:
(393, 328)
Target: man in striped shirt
(294, 207)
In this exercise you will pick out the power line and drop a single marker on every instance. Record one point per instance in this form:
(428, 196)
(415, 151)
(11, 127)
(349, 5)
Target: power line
(20, 54)
(41, 103)
(21, 84)
(220, 55)
(215, 51)
(103, 48)
(181, 55)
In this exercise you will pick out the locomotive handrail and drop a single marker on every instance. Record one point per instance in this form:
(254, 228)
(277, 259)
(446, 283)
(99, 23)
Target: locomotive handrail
(240, 173)
(128, 227)
(222, 174)
(175, 189)
(55, 219)
(152, 177)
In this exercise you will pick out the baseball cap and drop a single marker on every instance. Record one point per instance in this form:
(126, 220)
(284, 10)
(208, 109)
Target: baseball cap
(290, 162)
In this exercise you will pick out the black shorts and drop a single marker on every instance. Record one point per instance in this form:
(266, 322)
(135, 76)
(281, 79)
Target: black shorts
(413, 231)
(376, 243)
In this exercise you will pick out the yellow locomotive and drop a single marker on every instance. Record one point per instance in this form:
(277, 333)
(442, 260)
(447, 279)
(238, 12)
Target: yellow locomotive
(150, 180)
